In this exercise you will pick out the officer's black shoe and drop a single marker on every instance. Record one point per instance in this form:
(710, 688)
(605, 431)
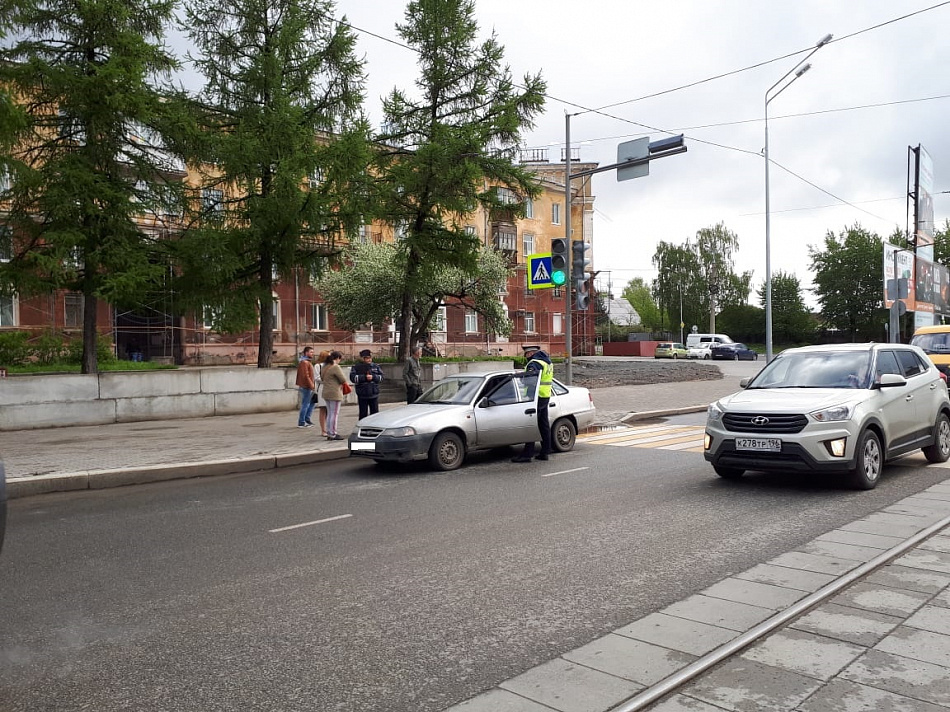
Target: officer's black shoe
(542, 456)
(521, 458)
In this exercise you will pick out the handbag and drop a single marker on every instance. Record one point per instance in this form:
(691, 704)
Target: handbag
(346, 388)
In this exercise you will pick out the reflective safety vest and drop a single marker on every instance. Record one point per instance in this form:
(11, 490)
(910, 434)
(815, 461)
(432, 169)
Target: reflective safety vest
(545, 378)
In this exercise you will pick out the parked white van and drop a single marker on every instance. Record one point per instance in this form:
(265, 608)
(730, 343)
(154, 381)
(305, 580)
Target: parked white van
(699, 345)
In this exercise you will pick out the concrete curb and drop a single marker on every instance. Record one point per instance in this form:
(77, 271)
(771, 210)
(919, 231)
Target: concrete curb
(102, 479)
(648, 414)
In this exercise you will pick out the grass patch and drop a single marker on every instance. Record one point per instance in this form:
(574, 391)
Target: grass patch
(61, 367)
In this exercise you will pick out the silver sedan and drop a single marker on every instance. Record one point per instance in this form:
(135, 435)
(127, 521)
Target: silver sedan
(468, 412)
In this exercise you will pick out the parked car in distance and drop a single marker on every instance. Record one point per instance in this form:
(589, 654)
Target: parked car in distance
(695, 339)
(733, 352)
(670, 349)
(471, 411)
(701, 351)
(935, 342)
(843, 408)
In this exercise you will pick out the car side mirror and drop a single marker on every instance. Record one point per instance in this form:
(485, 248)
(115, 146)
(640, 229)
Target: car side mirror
(889, 380)
(744, 383)
(483, 402)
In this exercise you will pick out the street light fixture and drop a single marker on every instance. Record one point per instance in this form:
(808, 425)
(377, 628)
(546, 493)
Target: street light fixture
(798, 70)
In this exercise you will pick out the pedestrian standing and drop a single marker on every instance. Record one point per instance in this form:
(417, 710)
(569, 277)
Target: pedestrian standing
(539, 363)
(367, 376)
(306, 384)
(321, 404)
(412, 374)
(333, 380)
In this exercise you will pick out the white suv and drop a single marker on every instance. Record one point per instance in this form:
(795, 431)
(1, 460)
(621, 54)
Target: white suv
(844, 408)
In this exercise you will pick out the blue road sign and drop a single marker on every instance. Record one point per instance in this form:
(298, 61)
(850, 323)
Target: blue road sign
(539, 272)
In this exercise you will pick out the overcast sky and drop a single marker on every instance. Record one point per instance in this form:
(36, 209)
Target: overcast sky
(845, 126)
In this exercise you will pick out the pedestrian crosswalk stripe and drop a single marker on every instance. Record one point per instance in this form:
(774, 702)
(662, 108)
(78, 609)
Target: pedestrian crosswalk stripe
(661, 437)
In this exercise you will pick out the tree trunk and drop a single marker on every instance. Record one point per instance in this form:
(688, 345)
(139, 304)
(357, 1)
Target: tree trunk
(90, 335)
(265, 345)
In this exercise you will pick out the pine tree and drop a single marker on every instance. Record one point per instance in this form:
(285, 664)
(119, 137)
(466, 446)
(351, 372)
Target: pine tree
(81, 156)
(449, 147)
(285, 140)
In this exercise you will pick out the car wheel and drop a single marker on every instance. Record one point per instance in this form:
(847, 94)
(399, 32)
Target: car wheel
(869, 461)
(446, 452)
(728, 473)
(736, 356)
(675, 356)
(706, 357)
(563, 435)
(940, 450)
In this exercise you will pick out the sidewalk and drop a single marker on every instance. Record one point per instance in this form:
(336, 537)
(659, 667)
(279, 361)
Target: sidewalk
(857, 619)
(98, 456)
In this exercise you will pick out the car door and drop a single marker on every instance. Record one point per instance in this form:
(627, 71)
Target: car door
(925, 389)
(507, 412)
(896, 404)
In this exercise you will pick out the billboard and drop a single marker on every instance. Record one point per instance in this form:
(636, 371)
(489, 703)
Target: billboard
(928, 284)
(924, 202)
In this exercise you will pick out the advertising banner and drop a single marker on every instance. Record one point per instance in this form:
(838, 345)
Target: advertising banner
(924, 204)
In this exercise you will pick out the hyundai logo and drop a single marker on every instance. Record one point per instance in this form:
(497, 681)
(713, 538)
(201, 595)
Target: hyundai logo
(760, 420)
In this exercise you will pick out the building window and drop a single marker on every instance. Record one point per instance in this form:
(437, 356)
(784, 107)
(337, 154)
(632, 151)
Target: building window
(440, 319)
(8, 309)
(471, 230)
(471, 322)
(529, 322)
(557, 326)
(315, 179)
(72, 310)
(212, 201)
(319, 318)
(557, 293)
(506, 241)
(209, 317)
(527, 243)
(6, 244)
(275, 310)
(506, 196)
(529, 208)
(399, 231)
(4, 180)
(555, 213)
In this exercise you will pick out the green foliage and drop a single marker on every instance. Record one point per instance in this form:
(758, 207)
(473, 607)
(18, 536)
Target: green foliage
(447, 150)
(696, 272)
(14, 348)
(49, 347)
(117, 365)
(369, 288)
(82, 146)
(743, 322)
(72, 351)
(280, 117)
(791, 319)
(637, 292)
(848, 281)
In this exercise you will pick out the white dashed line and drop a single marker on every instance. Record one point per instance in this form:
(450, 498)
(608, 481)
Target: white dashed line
(565, 472)
(308, 524)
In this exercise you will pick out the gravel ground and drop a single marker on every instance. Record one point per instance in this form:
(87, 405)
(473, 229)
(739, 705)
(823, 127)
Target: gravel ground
(599, 374)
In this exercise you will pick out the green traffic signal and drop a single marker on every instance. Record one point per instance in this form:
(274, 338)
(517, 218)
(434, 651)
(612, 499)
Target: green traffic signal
(558, 277)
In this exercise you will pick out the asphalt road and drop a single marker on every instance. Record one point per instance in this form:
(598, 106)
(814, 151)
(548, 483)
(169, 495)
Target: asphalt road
(402, 592)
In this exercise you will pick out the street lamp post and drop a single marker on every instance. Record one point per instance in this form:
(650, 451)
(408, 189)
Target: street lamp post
(798, 70)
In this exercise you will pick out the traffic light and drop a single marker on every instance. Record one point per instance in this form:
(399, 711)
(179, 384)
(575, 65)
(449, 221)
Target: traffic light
(580, 273)
(559, 261)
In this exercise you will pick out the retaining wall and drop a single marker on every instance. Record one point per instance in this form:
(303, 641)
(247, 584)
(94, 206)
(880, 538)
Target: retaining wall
(61, 400)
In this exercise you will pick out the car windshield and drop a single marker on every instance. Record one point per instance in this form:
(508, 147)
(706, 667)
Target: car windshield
(452, 390)
(933, 343)
(816, 369)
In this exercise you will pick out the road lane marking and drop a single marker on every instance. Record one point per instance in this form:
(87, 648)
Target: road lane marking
(664, 437)
(308, 524)
(565, 472)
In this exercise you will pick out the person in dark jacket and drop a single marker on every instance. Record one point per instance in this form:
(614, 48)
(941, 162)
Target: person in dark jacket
(539, 363)
(367, 376)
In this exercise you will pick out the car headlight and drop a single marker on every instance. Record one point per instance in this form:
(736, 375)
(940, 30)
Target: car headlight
(404, 432)
(832, 414)
(714, 412)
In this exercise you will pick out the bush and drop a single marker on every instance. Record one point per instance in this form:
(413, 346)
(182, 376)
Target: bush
(104, 352)
(14, 349)
(48, 348)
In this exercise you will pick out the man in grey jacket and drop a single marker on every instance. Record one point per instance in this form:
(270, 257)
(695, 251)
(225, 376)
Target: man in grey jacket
(412, 373)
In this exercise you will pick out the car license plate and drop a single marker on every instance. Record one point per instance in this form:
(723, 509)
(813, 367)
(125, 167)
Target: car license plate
(759, 444)
(362, 446)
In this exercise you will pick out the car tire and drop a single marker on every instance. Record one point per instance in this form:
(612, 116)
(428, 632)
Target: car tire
(940, 450)
(868, 461)
(706, 357)
(563, 435)
(447, 452)
(729, 473)
(675, 356)
(736, 356)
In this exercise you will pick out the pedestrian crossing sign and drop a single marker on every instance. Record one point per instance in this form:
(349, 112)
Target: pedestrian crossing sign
(539, 271)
